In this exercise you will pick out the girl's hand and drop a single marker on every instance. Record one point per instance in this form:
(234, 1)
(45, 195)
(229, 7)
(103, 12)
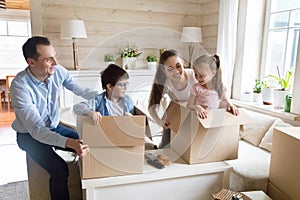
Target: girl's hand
(201, 112)
(96, 116)
(232, 109)
(164, 124)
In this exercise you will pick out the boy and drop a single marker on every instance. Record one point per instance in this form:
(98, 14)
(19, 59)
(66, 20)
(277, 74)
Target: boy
(113, 101)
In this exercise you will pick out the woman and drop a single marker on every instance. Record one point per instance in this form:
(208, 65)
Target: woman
(173, 80)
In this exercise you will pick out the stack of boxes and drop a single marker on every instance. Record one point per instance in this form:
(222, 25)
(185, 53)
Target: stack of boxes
(116, 146)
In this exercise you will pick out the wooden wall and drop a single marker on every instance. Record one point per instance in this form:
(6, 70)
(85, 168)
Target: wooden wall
(113, 24)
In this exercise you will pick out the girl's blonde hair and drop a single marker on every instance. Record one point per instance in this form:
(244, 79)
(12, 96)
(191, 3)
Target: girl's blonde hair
(213, 62)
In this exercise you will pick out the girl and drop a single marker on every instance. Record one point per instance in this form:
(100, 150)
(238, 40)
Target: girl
(173, 80)
(209, 92)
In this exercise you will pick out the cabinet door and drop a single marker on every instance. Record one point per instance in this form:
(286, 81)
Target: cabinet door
(90, 80)
(140, 83)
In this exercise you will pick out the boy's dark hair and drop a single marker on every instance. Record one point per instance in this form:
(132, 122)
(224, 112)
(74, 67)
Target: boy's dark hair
(29, 47)
(112, 74)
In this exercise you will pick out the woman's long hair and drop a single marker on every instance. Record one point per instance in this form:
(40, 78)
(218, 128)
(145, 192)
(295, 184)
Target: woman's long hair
(160, 78)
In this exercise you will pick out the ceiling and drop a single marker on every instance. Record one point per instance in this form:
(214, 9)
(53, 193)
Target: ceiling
(17, 4)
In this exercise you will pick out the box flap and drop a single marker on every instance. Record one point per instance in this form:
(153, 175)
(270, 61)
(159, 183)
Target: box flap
(114, 131)
(220, 117)
(175, 114)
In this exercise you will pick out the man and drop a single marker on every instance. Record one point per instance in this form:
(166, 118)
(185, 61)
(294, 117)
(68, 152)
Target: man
(34, 96)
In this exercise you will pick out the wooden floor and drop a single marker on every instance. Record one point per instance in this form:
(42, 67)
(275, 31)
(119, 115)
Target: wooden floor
(6, 118)
(13, 159)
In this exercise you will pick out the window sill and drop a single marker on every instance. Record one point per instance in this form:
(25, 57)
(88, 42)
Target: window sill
(269, 110)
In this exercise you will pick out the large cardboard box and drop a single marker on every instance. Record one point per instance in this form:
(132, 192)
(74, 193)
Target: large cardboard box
(116, 146)
(285, 162)
(204, 140)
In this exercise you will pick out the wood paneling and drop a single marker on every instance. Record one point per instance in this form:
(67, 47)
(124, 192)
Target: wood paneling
(17, 4)
(111, 25)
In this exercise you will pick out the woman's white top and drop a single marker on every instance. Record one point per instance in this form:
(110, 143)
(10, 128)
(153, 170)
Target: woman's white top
(181, 95)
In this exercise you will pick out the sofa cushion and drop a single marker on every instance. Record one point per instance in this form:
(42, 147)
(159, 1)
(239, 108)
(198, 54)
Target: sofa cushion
(266, 142)
(251, 169)
(254, 132)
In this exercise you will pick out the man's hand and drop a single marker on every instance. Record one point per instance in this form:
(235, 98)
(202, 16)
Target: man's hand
(96, 116)
(77, 144)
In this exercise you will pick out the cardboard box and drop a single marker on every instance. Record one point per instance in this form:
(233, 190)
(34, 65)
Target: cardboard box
(285, 162)
(204, 140)
(275, 193)
(116, 146)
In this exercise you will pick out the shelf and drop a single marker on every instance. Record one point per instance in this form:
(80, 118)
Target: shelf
(269, 110)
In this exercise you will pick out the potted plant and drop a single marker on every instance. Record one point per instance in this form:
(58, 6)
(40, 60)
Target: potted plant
(129, 56)
(109, 58)
(285, 86)
(257, 96)
(152, 61)
(267, 92)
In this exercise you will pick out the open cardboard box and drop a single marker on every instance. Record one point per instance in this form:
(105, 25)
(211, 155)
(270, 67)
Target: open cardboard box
(116, 145)
(204, 140)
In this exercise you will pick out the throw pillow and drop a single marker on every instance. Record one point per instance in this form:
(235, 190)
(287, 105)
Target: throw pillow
(266, 142)
(254, 132)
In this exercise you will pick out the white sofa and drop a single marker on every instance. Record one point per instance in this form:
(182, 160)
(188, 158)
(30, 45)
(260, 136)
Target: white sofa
(251, 169)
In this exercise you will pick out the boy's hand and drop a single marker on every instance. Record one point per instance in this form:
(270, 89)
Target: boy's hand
(96, 116)
(127, 114)
(201, 112)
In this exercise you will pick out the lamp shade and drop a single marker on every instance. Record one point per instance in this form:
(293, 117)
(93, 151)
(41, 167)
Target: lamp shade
(73, 29)
(191, 34)
(2, 5)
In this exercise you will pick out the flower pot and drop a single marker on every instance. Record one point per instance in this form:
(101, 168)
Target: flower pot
(279, 98)
(257, 97)
(267, 96)
(108, 63)
(152, 65)
(129, 62)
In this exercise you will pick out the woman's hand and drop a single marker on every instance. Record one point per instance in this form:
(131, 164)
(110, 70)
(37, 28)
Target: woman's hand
(232, 109)
(96, 116)
(201, 112)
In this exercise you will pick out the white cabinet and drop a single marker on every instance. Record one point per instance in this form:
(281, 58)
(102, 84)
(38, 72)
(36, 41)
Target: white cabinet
(140, 82)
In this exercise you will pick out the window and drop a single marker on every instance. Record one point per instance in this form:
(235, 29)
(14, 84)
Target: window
(13, 34)
(282, 36)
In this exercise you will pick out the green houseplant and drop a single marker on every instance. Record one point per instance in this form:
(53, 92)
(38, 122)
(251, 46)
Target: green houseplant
(130, 52)
(129, 56)
(152, 61)
(109, 58)
(284, 81)
(285, 86)
(151, 58)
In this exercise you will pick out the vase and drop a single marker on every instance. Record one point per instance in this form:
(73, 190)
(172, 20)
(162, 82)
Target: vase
(108, 63)
(267, 96)
(152, 65)
(279, 98)
(257, 97)
(129, 62)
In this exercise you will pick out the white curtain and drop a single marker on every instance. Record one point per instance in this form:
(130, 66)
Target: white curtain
(227, 35)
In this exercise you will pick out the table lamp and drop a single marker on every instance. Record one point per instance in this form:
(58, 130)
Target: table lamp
(73, 29)
(191, 35)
